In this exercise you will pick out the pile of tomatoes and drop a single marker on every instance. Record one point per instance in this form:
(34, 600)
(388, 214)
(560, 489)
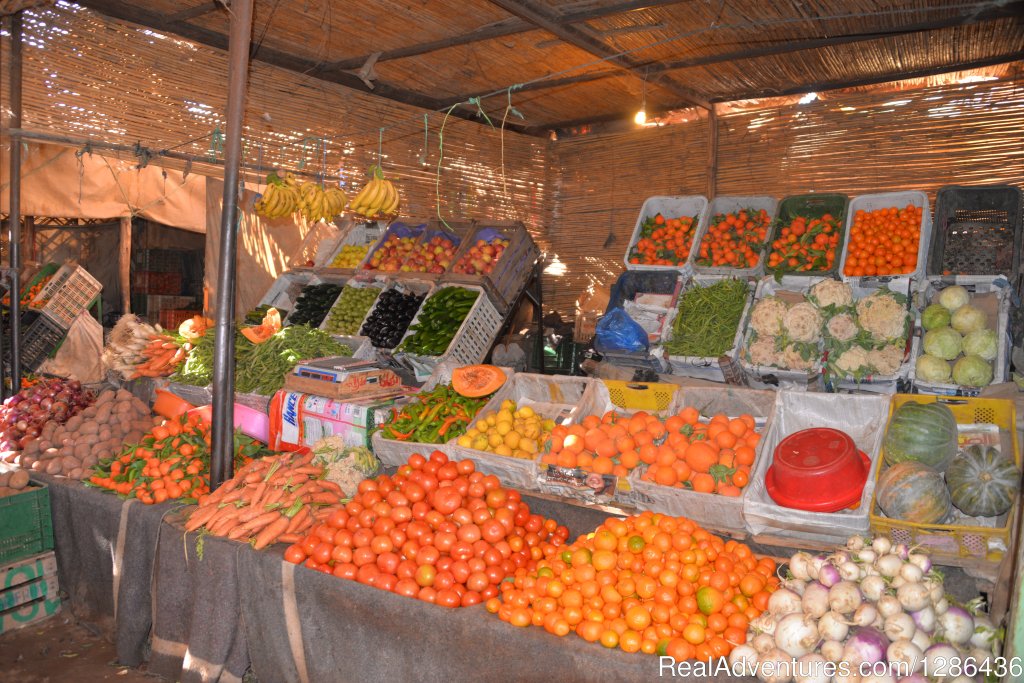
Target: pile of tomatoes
(681, 450)
(806, 244)
(436, 530)
(883, 242)
(734, 240)
(664, 241)
(650, 583)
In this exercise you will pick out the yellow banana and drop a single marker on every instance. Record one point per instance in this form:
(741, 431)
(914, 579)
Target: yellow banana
(392, 208)
(372, 206)
(358, 201)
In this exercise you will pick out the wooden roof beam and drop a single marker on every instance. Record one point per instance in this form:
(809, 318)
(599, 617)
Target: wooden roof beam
(626, 117)
(1014, 8)
(199, 10)
(543, 18)
(499, 29)
(126, 11)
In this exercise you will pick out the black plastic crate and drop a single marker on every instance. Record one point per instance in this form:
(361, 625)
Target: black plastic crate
(40, 340)
(977, 231)
(633, 282)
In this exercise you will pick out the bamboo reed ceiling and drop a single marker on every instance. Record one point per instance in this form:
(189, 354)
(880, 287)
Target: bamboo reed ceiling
(434, 53)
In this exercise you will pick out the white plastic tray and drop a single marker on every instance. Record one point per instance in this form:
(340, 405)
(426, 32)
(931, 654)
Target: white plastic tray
(885, 200)
(694, 206)
(727, 205)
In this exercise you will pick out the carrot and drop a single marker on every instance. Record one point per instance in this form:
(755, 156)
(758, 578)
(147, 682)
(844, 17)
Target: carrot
(271, 532)
(325, 498)
(238, 533)
(200, 516)
(296, 521)
(330, 486)
(252, 478)
(273, 496)
(225, 520)
(261, 521)
(289, 538)
(312, 470)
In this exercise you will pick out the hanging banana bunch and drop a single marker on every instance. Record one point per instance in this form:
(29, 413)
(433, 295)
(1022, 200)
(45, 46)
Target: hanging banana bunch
(281, 198)
(317, 204)
(379, 197)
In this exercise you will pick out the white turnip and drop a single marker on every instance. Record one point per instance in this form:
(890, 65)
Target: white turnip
(783, 602)
(911, 573)
(814, 600)
(849, 571)
(865, 646)
(798, 565)
(742, 660)
(797, 634)
(985, 634)
(833, 626)
(957, 625)
(921, 640)
(855, 543)
(873, 587)
(888, 565)
(844, 597)
(763, 624)
(888, 605)
(914, 596)
(832, 650)
(763, 643)
(775, 667)
(924, 619)
(938, 659)
(829, 576)
(905, 657)
(864, 615)
(899, 626)
(881, 545)
(811, 668)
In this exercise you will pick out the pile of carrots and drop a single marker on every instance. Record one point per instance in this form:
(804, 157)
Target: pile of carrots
(171, 462)
(274, 499)
(163, 356)
(734, 240)
(806, 244)
(664, 241)
(883, 242)
(681, 450)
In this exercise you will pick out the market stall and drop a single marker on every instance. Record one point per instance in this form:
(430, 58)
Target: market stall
(795, 440)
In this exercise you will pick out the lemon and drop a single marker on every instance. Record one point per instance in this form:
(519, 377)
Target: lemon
(521, 454)
(531, 430)
(512, 439)
(526, 411)
(508, 404)
(503, 428)
(465, 441)
(480, 443)
(504, 416)
(503, 450)
(494, 439)
(471, 432)
(492, 419)
(528, 445)
(481, 426)
(547, 425)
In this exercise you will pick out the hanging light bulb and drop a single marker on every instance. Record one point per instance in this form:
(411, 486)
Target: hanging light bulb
(641, 116)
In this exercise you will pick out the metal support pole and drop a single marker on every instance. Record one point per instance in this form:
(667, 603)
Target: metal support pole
(14, 243)
(224, 345)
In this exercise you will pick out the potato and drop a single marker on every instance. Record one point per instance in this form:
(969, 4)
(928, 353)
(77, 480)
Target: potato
(43, 445)
(91, 459)
(133, 437)
(73, 424)
(105, 433)
(103, 412)
(124, 395)
(48, 429)
(5, 477)
(104, 397)
(78, 473)
(82, 449)
(38, 465)
(88, 439)
(88, 413)
(89, 428)
(123, 408)
(51, 453)
(70, 462)
(67, 450)
(54, 466)
(32, 447)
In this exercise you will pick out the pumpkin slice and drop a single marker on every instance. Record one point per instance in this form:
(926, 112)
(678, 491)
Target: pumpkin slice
(193, 328)
(474, 381)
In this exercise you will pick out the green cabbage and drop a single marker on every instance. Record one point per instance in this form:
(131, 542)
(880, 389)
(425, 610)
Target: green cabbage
(944, 343)
(972, 371)
(954, 297)
(967, 319)
(932, 369)
(934, 317)
(983, 343)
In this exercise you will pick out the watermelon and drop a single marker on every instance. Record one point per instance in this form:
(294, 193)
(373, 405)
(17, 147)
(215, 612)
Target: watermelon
(921, 432)
(913, 492)
(982, 482)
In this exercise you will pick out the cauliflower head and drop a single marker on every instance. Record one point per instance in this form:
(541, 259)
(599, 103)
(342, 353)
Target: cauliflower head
(852, 360)
(802, 323)
(766, 318)
(346, 465)
(763, 352)
(831, 293)
(793, 358)
(886, 360)
(882, 316)
(842, 327)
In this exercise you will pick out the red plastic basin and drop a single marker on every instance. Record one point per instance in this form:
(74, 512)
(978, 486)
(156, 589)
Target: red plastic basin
(819, 470)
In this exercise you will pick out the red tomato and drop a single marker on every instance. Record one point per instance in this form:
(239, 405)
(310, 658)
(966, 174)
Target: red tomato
(446, 500)
(345, 570)
(447, 598)
(407, 587)
(425, 575)
(295, 554)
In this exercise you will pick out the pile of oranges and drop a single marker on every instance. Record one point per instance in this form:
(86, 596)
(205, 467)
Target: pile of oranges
(734, 240)
(883, 242)
(664, 241)
(681, 450)
(806, 244)
(650, 583)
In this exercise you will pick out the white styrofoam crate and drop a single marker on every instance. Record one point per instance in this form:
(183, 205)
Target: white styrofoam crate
(694, 206)
(885, 200)
(727, 205)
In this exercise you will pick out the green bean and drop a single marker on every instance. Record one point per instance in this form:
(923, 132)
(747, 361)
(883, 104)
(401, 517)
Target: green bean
(707, 319)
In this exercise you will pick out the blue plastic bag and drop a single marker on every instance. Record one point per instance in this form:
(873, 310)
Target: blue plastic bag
(617, 332)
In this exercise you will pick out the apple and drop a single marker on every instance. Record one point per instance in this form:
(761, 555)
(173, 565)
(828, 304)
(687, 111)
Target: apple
(432, 256)
(390, 255)
(480, 258)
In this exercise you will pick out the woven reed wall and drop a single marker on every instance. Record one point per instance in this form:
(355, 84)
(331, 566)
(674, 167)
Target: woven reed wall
(89, 76)
(856, 143)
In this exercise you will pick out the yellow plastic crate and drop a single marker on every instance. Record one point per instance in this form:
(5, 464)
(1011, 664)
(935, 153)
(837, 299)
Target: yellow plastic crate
(640, 396)
(951, 541)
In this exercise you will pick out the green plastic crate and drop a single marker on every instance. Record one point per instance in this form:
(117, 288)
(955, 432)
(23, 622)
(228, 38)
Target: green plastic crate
(809, 206)
(26, 527)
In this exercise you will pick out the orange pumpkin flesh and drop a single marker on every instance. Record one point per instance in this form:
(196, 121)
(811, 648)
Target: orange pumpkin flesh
(474, 381)
(270, 326)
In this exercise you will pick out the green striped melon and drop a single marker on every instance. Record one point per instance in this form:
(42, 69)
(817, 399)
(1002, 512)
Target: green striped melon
(921, 432)
(913, 492)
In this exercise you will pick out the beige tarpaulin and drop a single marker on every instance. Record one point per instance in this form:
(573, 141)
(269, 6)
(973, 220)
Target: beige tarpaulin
(58, 181)
(266, 248)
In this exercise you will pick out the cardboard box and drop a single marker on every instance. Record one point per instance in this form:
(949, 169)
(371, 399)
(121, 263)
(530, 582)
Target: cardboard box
(298, 419)
(30, 591)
